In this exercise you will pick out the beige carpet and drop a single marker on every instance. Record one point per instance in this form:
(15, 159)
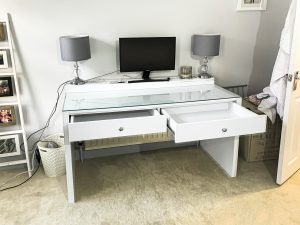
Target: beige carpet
(179, 186)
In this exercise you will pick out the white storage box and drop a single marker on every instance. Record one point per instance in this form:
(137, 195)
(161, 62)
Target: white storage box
(53, 159)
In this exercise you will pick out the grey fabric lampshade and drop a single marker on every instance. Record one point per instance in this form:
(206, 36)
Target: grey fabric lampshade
(206, 44)
(75, 48)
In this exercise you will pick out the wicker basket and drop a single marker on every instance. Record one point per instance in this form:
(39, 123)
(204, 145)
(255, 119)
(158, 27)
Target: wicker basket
(53, 159)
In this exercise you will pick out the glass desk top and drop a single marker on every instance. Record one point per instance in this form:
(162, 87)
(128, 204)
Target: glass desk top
(75, 101)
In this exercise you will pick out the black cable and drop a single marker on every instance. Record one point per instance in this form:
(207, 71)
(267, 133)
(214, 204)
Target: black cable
(59, 92)
(23, 181)
(55, 106)
(34, 149)
(103, 75)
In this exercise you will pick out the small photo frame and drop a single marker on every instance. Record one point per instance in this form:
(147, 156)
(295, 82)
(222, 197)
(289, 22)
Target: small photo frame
(2, 32)
(251, 5)
(3, 60)
(7, 116)
(6, 87)
(9, 146)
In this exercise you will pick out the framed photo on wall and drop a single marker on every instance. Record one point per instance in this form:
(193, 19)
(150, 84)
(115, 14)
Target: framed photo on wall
(248, 5)
(7, 116)
(9, 146)
(3, 60)
(6, 87)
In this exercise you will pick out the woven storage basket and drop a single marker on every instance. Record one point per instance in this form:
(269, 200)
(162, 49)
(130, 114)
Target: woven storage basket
(53, 159)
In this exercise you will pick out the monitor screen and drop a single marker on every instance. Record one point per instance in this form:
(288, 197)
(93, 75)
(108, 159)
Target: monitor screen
(147, 54)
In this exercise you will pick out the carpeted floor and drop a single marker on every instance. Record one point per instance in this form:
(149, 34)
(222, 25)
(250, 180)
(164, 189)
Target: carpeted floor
(178, 186)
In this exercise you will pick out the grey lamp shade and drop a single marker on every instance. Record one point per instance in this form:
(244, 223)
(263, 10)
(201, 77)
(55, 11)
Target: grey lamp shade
(206, 44)
(75, 48)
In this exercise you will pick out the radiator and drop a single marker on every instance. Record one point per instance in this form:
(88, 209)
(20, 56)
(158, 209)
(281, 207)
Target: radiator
(130, 140)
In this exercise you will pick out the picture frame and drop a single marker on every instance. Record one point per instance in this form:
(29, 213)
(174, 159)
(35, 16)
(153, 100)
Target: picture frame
(9, 146)
(2, 32)
(251, 5)
(7, 116)
(3, 60)
(6, 88)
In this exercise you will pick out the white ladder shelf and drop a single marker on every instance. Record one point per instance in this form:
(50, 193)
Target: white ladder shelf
(12, 102)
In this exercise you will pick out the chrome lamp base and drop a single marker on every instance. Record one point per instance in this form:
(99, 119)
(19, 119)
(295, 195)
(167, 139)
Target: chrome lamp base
(205, 76)
(77, 81)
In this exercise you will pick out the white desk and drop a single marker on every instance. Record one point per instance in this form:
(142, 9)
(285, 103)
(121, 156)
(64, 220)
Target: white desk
(192, 111)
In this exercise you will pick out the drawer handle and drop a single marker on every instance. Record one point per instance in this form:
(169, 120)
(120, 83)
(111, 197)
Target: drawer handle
(224, 130)
(121, 129)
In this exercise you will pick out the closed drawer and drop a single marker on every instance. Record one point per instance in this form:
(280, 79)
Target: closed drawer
(213, 121)
(109, 125)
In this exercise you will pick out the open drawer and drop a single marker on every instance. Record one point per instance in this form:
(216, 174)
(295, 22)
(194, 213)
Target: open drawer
(213, 121)
(118, 124)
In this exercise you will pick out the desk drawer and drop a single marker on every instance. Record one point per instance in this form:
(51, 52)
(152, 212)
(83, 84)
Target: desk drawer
(109, 125)
(213, 121)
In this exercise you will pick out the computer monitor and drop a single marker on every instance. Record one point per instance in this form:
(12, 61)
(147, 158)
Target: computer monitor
(147, 54)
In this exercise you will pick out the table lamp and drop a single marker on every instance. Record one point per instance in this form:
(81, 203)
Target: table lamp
(75, 48)
(205, 45)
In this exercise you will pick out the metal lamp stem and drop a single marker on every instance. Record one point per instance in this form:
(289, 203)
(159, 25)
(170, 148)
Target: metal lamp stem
(77, 80)
(204, 68)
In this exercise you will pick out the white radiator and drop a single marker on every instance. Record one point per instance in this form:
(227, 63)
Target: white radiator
(130, 140)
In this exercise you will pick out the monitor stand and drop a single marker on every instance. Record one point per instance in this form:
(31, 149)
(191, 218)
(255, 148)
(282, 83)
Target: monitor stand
(146, 78)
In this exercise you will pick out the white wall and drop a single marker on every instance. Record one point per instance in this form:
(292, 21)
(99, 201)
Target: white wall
(39, 23)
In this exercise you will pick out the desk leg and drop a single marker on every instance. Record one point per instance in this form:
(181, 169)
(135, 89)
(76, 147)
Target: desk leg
(224, 151)
(70, 172)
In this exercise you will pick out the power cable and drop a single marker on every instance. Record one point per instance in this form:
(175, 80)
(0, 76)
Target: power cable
(59, 92)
